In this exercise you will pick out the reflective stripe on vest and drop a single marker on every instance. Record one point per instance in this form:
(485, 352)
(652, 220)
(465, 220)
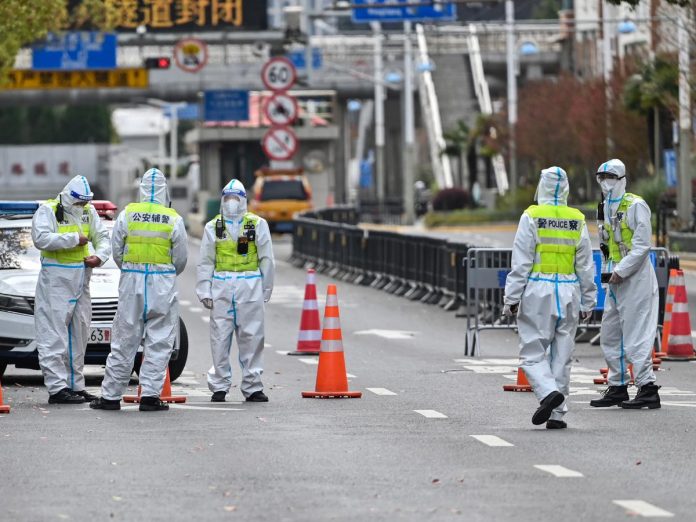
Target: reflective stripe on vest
(626, 233)
(150, 228)
(77, 254)
(559, 229)
(226, 257)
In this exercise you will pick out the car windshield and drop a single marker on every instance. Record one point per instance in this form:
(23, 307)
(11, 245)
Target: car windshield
(17, 250)
(286, 189)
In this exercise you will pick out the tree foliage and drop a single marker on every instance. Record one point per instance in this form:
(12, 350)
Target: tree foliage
(41, 124)
(633, 3)
(23, 22)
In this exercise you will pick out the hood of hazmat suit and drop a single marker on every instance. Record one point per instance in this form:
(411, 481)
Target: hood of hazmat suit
(150, 246)
(635, 301)
(552, 279)
(63, 308)
(236, 271)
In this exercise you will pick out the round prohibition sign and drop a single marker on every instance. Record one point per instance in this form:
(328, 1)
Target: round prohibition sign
(281, 109)
(278, 74)
(280, 143)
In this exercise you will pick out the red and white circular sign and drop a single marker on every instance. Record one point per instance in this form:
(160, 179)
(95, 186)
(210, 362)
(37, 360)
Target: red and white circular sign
(279, 143)
(191, 54)
(278, 74)
(281, 109)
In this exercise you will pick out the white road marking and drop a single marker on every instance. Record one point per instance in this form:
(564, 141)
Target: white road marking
(206, 318)
(351, 376)
(282, 352)
(431, 414)
(492, 440)
(195, 309)
(266, 345)
(309, 361)
(184, 302)
(558, 471)
(643, 509)
(388, 334)
(206, 408)
(381, 391)
(689, 404)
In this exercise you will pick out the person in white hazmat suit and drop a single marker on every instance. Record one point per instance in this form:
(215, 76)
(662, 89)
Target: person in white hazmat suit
(150, 247)
(629, 322)
(61, 229)
(550, 287)
(235, 279)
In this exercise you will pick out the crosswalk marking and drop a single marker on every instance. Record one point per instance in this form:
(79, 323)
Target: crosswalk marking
(184, 302)
(431, 414)
(643, 509)
(195, 309)
(381, 391)
(308, 360)
(558, 471)
(492, 440)
(282, 352)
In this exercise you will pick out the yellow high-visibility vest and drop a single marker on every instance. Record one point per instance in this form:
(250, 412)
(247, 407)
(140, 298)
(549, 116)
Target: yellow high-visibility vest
(227, 259)
(559, 229)
(77, 254)
(150, 228)
(626, 233)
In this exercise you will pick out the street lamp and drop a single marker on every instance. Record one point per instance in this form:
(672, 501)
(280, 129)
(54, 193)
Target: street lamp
(173, 109)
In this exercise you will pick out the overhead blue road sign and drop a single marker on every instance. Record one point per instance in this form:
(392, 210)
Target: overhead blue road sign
(187, 112)
(76, 50)
(392, 12)
(226, 105)
(298, 58)
(670, 167)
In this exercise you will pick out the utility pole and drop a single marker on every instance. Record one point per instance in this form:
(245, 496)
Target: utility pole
(174, 138)
(511, 93)
(684, 197)
(380, 173)
(607, 63)
(409, 131)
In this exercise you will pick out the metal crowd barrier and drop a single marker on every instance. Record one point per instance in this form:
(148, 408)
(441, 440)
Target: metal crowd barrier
(487, 269)
(417, 267)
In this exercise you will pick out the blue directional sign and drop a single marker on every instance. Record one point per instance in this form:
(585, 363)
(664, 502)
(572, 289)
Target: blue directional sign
(76, 50)
(670, 167)
(187, 112)
(392, 12)
(298, 58)
(226, 105)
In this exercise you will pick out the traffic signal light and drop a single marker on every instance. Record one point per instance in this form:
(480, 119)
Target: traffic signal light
(158, 62)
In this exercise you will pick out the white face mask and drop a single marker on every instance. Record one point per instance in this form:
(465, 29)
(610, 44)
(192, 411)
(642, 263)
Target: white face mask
(608, 185)
(231, 207)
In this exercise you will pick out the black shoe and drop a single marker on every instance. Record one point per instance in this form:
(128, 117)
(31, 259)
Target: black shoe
(65, 396)
(218, 396)
(258, 396)
(101, 403)
(612, 396)
(152, 404)
(553, 424)
(552, 401)
(86, 395)
(647, 397)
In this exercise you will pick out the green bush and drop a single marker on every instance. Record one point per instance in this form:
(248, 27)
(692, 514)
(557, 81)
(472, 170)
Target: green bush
(650, 189)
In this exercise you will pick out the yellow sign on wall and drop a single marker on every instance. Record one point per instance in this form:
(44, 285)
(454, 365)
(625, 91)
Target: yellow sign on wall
(106, 79)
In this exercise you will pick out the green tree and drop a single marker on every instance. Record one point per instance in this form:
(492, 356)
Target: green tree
(457, 145)
(86, 124)
(12, 125)
(633, 3)
(547, 10)
(41, 125)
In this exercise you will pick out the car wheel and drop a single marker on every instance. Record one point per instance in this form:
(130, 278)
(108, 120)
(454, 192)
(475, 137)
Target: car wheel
(177, 367)
(3, 367)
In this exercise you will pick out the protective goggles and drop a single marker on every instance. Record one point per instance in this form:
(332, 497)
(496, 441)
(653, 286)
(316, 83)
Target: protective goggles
(81, 197)
(233, 192)
(601, 176)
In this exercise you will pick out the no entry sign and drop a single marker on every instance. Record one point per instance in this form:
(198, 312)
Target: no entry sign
(280, 143)
(281, 109)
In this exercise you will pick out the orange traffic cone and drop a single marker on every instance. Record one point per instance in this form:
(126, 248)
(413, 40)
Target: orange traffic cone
(332, 381)
(4, 408)
(165, 395)
(674, 279)
(309, 338)
(680, 346)
(522, 384)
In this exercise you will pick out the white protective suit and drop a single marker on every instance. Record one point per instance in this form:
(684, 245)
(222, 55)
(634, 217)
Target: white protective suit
(63, 303)
(629, 322)
(549, 304)
(238, 300)
(148, 308)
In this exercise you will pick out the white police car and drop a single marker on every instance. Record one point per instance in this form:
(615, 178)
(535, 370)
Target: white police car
(20, 263)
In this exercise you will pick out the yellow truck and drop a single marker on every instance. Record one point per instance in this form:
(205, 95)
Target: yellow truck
(280, 194)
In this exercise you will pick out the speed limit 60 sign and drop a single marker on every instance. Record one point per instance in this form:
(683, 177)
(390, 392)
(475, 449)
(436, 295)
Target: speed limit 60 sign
(280, 143)
(278, 74)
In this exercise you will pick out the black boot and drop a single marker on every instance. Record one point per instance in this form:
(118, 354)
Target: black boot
(86, 395)
(65, 396)
(152, 404)
(105, 404)
(257, 396)
(647, 397)
(218, 396)
(612, 396)
(553, 424)
(552, 401)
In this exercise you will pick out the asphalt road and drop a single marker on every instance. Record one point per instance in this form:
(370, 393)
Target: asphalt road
(443, 445)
